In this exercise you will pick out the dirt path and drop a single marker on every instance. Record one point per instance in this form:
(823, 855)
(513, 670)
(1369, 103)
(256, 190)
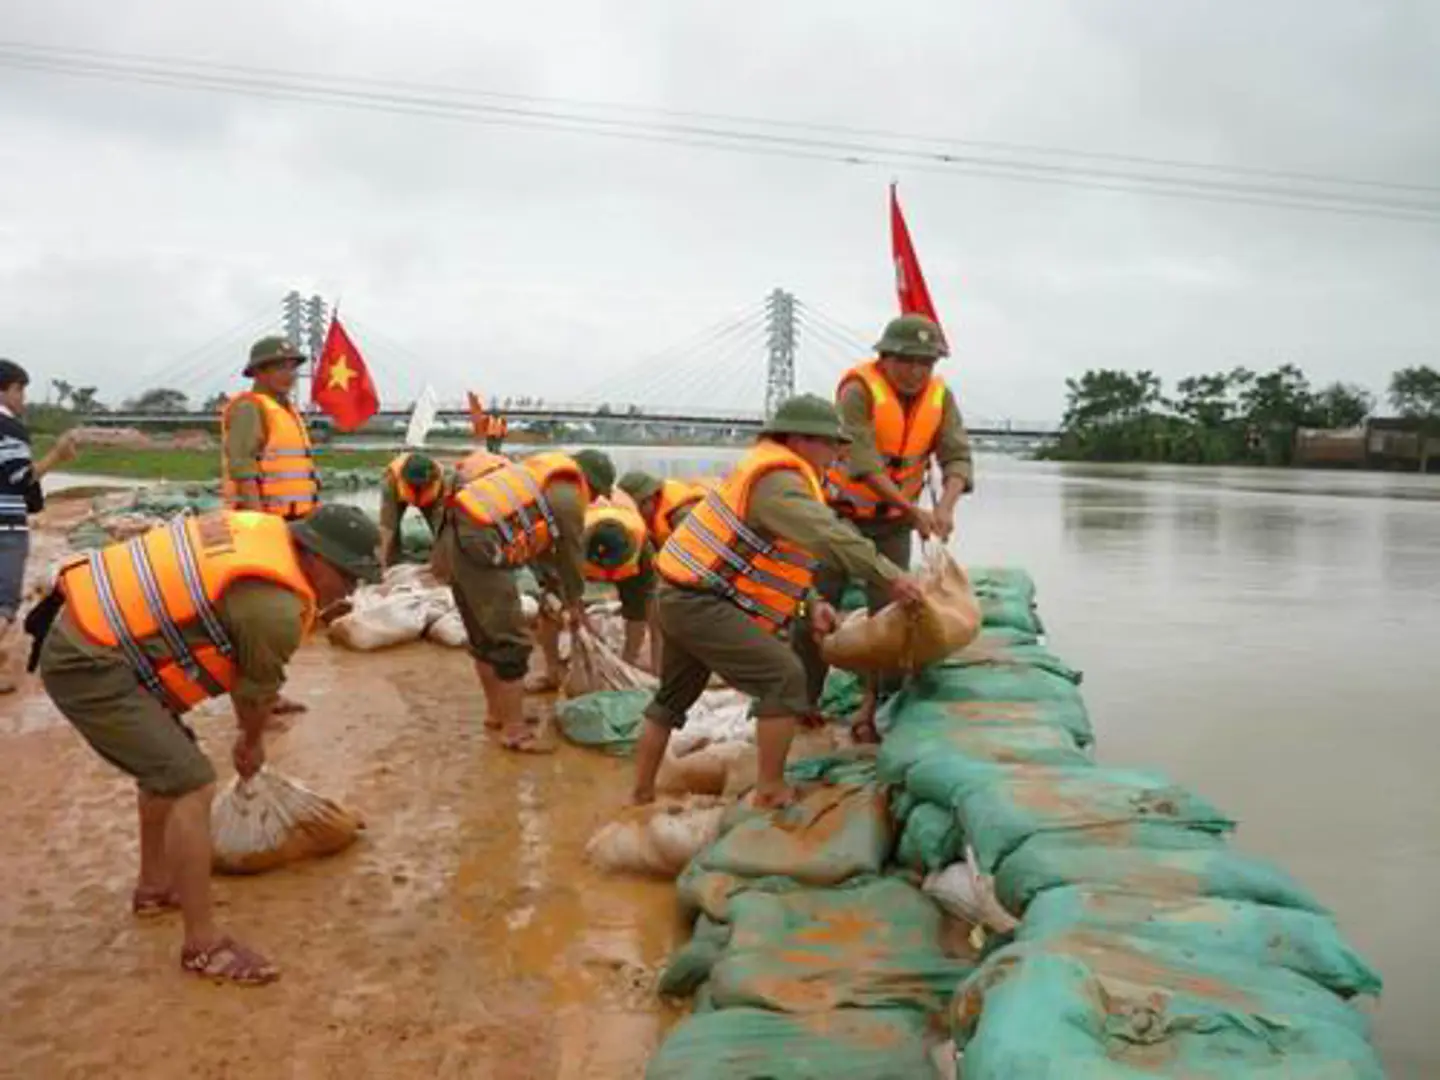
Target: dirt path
(463, 937)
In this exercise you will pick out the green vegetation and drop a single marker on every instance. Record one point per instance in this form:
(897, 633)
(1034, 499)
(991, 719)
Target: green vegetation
(1239, 416)
(191, 466)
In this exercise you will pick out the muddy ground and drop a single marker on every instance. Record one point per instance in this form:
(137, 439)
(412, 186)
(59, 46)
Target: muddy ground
(463, 937)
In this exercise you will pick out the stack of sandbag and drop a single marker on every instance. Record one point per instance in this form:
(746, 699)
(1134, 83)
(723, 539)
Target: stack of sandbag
(902, 639)
(407, 605)
(270, 821)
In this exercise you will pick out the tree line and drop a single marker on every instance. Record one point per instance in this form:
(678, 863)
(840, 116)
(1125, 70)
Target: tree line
(1230, 417)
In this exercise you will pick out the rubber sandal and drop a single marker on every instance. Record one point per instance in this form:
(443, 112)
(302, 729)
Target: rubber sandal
(227, 961)
(152, 905)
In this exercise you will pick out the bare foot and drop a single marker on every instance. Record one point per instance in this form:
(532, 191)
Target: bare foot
(226, 960)
(150, 903)
(777, 799)
(525, 740)
(285, 706)
(642, 798)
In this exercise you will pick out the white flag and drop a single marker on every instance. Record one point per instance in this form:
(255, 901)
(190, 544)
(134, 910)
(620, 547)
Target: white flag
(422, 419)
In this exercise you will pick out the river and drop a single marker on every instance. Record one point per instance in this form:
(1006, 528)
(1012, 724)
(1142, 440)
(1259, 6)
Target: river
(1264, 636)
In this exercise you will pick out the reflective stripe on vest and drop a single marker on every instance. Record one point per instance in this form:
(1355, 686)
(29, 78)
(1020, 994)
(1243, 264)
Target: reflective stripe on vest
(479, 463)
(150, 590)
(905, 440)
(406, 492)
(512, 501)
(714, 550)
(622, 511)
(288, 483)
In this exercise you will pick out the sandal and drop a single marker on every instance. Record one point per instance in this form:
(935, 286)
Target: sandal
(152, 903)
(526, 742)
(285, 706)
(229, 961)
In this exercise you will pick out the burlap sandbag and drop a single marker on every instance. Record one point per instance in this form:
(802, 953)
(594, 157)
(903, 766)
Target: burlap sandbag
(898, 638)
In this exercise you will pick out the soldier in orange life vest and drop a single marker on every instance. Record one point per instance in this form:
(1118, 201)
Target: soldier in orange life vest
(411, 481)
(901, 417)
(139, 633)
(736, 574)
(618, 550)
(267, 461)
(662, 503)
(531, 511)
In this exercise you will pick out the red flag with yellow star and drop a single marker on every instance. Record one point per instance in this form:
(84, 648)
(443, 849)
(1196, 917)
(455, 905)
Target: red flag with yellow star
(343, 387)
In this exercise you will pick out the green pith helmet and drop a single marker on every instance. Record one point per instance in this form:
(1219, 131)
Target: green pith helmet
(807, 414)
(913, 337)
(420, 471)
(599, 470)
(608, 545)
(272, 350)
(343, 536)
(639, 485)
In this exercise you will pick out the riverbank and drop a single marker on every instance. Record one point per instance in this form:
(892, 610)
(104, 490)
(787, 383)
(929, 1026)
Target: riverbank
(183, 466)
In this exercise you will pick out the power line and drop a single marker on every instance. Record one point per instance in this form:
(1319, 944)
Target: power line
(441, 89)
(313, 89)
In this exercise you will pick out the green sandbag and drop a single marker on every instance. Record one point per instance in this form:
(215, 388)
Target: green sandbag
(690, 964)
(844, 692)
(907, 708)
(1306, 943)
(814, 950)
(931, 839)
(607, 720)
(989, 682)
(1040, 1014)
(756, 1044)
(416, 540)
(852, 599)
(854, 765)
(919, 755)
(1003, 648)
(1208, 868)
(712, 893)
(1026, 800)
(1007, 598)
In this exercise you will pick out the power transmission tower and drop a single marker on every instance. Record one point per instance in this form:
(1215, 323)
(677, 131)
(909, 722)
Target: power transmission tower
(782, 333)
(293, 318)
(315, 325)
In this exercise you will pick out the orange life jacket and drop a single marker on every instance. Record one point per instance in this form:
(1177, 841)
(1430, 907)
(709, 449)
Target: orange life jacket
(165, 581)
(288, 483)
(478, 464)
(512, 501)
(713, 550)
(619, 508)
(408, 494)
(675, 496)
(905, 438)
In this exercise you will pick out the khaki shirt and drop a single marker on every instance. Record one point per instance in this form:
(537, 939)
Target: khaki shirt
(264, 621)
(392, 511)
(782, 505)
(952, 448)
(245, 438)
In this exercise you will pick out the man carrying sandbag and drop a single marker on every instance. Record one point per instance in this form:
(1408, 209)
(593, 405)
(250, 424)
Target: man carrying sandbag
(735, 575)
(531, 511)
(900, 416)
(139, 633)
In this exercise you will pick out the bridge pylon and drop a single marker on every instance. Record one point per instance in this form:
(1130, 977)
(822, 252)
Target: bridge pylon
(781, 335)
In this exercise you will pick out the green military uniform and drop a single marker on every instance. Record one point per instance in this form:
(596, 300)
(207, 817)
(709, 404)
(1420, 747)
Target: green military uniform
(392, 513)
(486, 591)
(245, 437)
(704, 632)
(97, 690)
(636, 592)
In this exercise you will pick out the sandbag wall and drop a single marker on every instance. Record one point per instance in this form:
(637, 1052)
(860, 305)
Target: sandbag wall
(1147, 946)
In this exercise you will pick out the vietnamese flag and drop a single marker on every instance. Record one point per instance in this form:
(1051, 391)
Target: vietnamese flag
(343, 387)
(909, 281)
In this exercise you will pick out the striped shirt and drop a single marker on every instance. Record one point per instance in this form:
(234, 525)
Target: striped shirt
(20, 493)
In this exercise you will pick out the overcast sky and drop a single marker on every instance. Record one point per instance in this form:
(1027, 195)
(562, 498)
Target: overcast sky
(138, 224)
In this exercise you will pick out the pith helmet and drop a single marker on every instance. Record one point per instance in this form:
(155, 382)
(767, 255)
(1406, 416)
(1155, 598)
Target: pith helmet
(807, 414)
(420, 470)
(912, 336)
(272, 350)
(639, 485)
(599, 470)
(344, 537)
(608, 545)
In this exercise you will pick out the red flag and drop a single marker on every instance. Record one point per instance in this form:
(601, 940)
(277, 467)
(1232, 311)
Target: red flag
(343, 387)
(909, 281)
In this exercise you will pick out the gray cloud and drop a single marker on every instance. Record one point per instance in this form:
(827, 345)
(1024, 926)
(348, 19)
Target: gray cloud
(137, 223)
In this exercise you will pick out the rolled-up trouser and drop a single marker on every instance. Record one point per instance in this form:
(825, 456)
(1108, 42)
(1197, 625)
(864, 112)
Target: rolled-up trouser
(893, 540)
(488, 598)
(703, 633)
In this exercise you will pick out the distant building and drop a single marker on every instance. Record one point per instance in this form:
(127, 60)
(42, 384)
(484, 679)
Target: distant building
(1380, 443)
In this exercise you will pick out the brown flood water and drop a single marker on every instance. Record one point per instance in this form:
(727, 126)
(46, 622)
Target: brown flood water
(1263, 636)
